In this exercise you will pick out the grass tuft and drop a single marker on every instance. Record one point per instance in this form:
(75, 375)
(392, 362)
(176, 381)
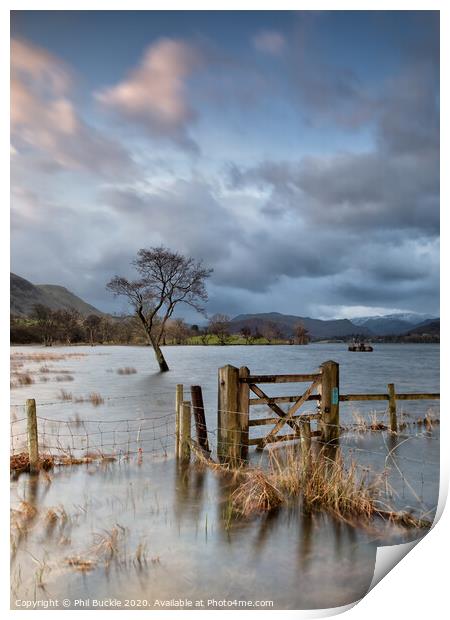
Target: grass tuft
(256, 493)
(96, 399)
(64, 395)
(127, 370)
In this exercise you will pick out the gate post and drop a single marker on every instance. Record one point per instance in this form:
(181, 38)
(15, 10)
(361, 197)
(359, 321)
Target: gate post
(243, 409)
(392, 408)
(185, 445)
(329, 402)
(228, 415)
(32, 436)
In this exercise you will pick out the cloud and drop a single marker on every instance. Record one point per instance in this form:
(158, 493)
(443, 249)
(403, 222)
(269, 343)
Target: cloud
(269, 42)
(154, 94)
(186, 215)
(333, 229)
(391, 186)
(45, 122)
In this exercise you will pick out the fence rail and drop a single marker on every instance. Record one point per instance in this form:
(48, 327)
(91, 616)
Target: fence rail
(281, 378)
(404, 396)
(234, 420)
(158, 434)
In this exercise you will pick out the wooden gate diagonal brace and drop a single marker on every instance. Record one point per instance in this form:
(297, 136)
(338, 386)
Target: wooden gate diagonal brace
(275, 408)
(286, 418)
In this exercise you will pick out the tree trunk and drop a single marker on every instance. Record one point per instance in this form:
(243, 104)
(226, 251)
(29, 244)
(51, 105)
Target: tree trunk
(163, 366)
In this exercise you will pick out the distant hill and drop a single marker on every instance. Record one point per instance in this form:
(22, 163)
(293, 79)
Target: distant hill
(431, 328)
(318, 329)
(392, 324)
(25, 295)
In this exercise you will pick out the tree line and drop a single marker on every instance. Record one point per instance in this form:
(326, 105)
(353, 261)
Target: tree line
(49, 327)
(164, 280)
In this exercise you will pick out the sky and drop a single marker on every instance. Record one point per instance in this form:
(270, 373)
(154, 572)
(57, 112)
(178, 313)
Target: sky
(295, 153)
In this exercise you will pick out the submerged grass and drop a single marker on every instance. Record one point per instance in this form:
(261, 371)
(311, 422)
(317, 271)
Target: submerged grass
(323, 480)
(326, 483)
(256, 493)
(127, 370)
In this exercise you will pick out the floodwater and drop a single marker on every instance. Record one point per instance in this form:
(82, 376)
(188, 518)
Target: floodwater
(146, 531)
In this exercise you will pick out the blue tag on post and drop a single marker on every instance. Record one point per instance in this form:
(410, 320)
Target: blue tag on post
(335, 396)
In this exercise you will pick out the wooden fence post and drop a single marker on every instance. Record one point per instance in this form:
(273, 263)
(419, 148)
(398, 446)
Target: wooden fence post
(32, 434)
(178, 401)
(185, 447)
(329, 401)
(392, 408)
(244, 410)
(305, 436)
(227, 414)
(199, 417)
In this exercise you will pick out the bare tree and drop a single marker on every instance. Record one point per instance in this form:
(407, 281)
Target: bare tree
(301, 334)
(46, 322)
(68, 323)
(177, 331)
(247, 334)
(166, 279)
(92, 324)
(271, 331)
(219, 325)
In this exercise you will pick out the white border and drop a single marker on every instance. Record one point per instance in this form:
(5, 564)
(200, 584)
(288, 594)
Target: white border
(418, 587)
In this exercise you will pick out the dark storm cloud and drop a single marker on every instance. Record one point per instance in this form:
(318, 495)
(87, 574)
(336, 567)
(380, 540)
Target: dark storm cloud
(343, 226)
(394, 185)
(185, 214)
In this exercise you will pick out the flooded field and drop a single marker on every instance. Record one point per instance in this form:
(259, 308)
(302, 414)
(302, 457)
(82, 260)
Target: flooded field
(145, 528)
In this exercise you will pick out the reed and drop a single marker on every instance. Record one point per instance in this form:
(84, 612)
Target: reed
(83, 565)
(64, 395)
(23, 379)
(96, 399)
(127, 370)
(256, 493)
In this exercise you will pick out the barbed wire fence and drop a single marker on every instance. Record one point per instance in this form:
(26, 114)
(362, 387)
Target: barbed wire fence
(79, 438)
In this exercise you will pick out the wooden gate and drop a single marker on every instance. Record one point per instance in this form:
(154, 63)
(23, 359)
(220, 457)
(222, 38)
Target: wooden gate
(234, 421)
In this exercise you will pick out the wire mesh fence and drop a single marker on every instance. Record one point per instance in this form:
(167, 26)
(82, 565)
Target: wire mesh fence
(122, 437)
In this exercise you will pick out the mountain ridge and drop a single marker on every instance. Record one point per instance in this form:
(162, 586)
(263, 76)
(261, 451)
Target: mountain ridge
(24, 296)
(317, 328)
(392, 324)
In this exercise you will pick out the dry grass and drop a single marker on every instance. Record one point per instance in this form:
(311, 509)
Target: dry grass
(256, 493)
(27, 510)
(64, 377)
(51, 517)
(19, 358)
(345, 490)
(21, 463)
(109, 543)
(326, 483)
(55, 516)
(372, 424)
(84, 565)
(64, 395)
(127, 370)
(96, 399)
(20, 379)
(140, 555)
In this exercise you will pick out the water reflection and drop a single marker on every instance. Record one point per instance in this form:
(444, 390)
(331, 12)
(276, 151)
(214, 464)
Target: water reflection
(195, 547)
